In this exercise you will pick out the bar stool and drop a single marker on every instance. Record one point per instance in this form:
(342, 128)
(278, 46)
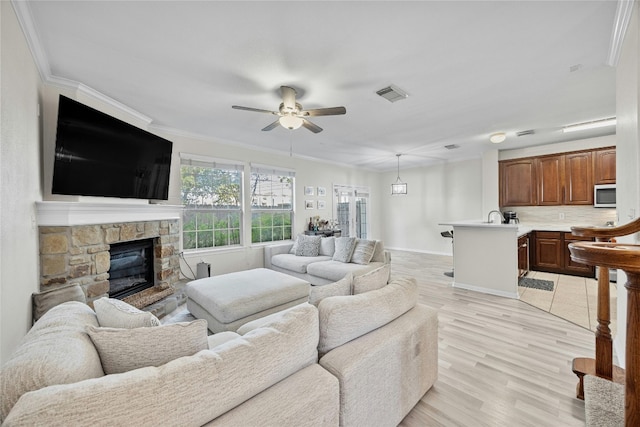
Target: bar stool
(448, 234)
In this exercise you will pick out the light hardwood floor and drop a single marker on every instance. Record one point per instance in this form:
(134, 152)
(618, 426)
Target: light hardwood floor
(502, 362)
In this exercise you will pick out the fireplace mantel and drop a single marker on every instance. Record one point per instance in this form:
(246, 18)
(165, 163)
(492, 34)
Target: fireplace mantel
(88, 213)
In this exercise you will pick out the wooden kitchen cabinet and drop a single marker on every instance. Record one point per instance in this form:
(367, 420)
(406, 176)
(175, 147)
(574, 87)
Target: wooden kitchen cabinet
(551, 254)
(548, 251)
(550, 174)
(578, 179)
(523, 255)
(554, 180)
(518, 182)
(604, 166)
(572, 267)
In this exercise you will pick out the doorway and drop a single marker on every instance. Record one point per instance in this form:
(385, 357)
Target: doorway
(352, 210)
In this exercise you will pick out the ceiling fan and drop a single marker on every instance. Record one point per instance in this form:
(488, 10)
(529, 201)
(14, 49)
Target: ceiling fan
(292, 116)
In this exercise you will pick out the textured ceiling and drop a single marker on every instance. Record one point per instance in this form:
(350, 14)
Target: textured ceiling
(470, 68)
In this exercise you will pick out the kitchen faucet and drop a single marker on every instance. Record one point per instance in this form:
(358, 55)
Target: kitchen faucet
(490, 220)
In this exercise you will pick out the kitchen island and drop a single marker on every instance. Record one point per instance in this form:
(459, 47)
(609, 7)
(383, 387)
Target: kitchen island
(485, 256)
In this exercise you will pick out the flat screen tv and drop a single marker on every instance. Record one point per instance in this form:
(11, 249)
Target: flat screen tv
(99, 155)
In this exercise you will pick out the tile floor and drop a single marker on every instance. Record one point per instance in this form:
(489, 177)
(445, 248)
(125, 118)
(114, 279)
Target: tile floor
(573, 298)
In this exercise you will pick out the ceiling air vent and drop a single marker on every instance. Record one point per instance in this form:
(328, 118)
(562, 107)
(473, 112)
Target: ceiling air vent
(526, 132)
(451, 146)
(392, 93)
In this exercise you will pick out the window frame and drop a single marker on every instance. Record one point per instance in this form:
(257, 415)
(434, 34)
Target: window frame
(272, 171)
(187, 159)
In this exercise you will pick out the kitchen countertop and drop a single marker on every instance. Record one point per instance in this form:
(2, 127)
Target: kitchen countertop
(521, 228)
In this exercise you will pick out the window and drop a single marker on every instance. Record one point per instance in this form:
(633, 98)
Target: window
(212, 199)
(271, 204)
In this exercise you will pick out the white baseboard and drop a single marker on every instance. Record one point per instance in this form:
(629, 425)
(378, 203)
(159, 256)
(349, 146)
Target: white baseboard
(418, 251)
(505, 294)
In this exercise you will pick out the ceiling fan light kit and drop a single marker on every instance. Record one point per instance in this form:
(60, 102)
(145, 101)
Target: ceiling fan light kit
(292, 116)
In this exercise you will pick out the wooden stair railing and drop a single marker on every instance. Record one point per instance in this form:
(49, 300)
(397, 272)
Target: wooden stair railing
(608, 255)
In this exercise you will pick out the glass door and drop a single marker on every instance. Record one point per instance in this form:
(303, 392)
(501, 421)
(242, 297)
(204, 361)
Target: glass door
(352, 210)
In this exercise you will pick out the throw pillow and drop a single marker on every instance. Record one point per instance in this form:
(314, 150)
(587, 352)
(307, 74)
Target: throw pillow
(375, 279)
(363, 251)
(43, 301)
(344, 249)
(123, 350)
(340, 288)
(308, 245)
(294, 247)
(327, 246)
(113, 313)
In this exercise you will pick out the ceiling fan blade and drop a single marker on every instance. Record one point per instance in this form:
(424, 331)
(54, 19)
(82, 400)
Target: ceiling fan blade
(312, 127)
(288, 98)
(272, 125)
(257, 110)
(332, 111)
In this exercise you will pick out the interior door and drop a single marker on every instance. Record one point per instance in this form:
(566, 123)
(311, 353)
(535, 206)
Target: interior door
(352, 210)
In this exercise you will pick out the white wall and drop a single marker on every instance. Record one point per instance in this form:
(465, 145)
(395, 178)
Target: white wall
(435, 194)
(627, 153)
(308, 173)
(19, 182)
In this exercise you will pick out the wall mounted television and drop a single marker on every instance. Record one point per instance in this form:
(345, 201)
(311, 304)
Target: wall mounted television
(99, 155)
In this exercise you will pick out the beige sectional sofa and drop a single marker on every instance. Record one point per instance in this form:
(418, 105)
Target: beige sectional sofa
(323, 268)
(378, 356)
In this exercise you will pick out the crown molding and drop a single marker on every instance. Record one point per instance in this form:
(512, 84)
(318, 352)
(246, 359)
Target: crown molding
(23, 13)
(620, 25)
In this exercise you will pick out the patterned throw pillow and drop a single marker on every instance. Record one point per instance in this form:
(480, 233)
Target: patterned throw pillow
(308, 245)
(113, 313)
(344, 249)
(363, 252)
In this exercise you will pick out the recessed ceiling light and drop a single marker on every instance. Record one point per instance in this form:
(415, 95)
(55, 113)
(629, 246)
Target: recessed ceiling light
(611, 121)
(497, 138)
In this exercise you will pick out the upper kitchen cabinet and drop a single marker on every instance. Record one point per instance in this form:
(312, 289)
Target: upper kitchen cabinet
(578, 179)
(604, 166)
(553, 180)
(518, 182)
(550, 180)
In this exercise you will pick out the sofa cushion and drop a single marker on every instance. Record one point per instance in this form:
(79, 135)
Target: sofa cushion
(336, 270)
(339, 288)
(221, 338)
(308, 245)
(43, 301)
(375, 279)
(363, 252)
(298, 264)
(123, 350)
(344, 249)
(327, 246)
(187, 391)
(113, 313)
(378, 253)
(56, 350)
(344, 318)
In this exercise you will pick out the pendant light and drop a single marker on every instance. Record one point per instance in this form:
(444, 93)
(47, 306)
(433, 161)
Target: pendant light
(398, 187)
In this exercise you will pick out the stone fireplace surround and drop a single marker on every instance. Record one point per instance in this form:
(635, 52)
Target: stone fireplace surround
(75, 238)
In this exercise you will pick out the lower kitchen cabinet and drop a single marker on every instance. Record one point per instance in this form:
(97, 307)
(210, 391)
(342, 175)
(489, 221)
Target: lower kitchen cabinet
(551, 254)
(523, 255)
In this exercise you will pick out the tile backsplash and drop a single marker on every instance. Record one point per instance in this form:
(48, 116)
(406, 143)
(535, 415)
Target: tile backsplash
(564, 215)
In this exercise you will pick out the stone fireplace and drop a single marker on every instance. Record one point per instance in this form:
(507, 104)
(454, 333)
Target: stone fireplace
(73, 250)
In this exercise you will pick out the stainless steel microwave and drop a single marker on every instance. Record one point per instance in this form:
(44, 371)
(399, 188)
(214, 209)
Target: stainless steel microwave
(604, 196)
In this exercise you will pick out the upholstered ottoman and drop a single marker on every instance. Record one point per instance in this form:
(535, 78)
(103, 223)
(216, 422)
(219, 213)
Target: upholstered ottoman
(229, 301)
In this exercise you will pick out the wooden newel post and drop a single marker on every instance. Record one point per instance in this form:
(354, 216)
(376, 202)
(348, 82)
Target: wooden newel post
(632, 358)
